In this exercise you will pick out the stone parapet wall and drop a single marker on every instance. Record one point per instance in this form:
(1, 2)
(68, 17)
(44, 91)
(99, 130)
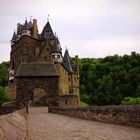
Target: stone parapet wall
(13, 126)
(68, 101)
(8, 107)
(123, 114)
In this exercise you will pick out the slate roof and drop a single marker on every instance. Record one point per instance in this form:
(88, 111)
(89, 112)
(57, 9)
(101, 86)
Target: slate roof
(19, 29)
(26, 25)
(14, 37)
(66, 61)
(56, 48)
(47, 32)
(36, 70)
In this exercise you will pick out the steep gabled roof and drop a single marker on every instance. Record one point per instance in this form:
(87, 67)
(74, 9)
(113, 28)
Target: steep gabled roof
(56, 47)
(26, 25)
(36, 70)
(66, 61)
(47, 32)
(14, 37)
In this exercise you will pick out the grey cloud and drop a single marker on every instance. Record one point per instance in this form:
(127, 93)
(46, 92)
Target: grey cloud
(81, 25)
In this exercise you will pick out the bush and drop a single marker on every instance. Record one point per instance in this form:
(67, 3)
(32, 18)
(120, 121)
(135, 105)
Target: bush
(131, 101)
(83, 104)
(4, 97)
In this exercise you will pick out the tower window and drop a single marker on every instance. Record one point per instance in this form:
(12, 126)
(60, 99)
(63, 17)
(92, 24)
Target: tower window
(66, 101)
(53, 56)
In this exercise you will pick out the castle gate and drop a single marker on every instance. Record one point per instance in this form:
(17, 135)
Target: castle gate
(39, 97)
(31, 76)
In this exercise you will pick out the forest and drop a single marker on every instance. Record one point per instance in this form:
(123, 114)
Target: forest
(112, 80)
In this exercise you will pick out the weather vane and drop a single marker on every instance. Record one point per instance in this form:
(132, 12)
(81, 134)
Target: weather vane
(48, 17)
(30, 18)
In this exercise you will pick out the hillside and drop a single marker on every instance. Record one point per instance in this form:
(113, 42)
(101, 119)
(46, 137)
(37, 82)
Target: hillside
(108, 80)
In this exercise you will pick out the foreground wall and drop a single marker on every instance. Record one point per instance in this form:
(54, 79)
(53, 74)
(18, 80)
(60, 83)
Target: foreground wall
(127, 115)
(13, 126)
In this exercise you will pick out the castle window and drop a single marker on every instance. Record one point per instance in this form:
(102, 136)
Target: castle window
(45, 58)
(75, 79)
(66, 101)
(69, 78)
(58, 56)
(53, 56)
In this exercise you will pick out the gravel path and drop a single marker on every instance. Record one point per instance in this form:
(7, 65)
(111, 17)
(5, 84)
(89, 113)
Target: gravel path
(48, 126)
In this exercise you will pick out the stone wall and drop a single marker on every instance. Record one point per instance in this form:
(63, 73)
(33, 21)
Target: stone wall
(13, 126)
(68, 101)
(25, 87)
(127, 115)
(63, 80)
(8, 107)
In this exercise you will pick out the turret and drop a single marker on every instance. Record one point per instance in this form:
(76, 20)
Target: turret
(13, 40)
(35, 29)
(66, 62)
(19, 31)
(26, 30)
(56, 51)
(47, 32)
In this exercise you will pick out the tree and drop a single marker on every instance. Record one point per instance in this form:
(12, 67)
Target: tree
(4, 96)
(4, 73)
(108, 80)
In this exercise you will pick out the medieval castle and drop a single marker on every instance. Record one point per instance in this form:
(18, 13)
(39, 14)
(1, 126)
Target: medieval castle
(37, 65)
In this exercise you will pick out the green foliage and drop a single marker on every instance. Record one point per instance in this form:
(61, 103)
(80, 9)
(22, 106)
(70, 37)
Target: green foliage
(109, 80)
(3, 82)
(83, 104)
(4, 73)
(131, 101)
(4, 97)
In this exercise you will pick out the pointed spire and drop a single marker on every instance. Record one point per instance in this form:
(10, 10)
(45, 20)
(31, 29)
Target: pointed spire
(66, 61)
(14, 36)
(56, 48)
(47, 32)
(26, 26)
(30, 22)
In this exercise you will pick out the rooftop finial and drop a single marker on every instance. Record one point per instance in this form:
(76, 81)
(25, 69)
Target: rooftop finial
(48, 17)
(66, 48)
(30, 18)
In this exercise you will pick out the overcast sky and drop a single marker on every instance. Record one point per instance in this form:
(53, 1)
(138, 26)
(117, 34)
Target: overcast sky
(89, 28)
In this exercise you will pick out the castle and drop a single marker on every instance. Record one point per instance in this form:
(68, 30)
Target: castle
(38, 70)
